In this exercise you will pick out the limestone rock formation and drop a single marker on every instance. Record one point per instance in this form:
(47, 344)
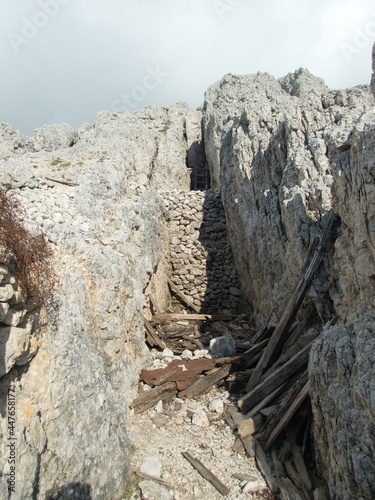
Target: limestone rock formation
(373, 71)
(344, 409)
(51, 137)
(302, 82)
(284, 154)
(73, 378)
(12, 142)
(273, 157)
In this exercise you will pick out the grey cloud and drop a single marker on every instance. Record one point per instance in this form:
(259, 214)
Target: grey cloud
(92, 54)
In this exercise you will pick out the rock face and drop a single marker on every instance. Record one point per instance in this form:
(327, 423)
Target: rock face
(344, 409)
(273, 157)
(113, 201)
(74, 378)
(373, 71)
(283, 153)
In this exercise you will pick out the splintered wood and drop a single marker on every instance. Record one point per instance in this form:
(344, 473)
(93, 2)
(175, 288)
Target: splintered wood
(269, 373)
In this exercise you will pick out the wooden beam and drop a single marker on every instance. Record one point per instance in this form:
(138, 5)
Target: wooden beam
(250, 354)
(264, 467)
(311, 264)
(265, 401)
(205, 382)
(182, 296)
(154, 304)
(150, 398)
(192, 317)
(288, 415)
(275, 379)
(152, 332)
(60, 181)
(206, 474)
(149, 477)
(291, 389)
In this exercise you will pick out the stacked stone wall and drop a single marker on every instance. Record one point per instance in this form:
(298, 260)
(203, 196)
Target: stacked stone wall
(200, 255)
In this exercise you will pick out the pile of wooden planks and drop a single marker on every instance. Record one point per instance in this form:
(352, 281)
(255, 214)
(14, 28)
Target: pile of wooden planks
(190, 332)
(269, 372)
(276, 402)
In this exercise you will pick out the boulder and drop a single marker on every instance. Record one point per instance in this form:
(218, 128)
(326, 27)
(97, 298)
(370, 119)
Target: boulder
(52, 137)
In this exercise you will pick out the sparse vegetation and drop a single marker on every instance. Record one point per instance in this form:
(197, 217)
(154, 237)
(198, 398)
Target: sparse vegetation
(56, 161)
(30, 254)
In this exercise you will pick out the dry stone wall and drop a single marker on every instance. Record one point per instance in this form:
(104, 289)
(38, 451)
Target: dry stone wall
(200, 255)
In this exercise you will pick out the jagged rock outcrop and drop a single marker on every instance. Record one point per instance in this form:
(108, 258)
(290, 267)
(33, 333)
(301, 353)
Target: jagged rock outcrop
(12, 142)
(342, 378)
(272, 155)
(96, 202)
(51, 137)
(373, 71)
(283, 154)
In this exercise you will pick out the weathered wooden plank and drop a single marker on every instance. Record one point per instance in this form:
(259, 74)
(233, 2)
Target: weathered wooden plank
(192, 317)
(301, 468)
(265, 401)
(280, 335)
(282, 407)
(264, 467)
(205, 382)
(206, 473)
(149, 477)
(277, 465)
(250, 354)
(61, 181)
(297, 480)
(152, 332)
(288, 415)
(259, 336)
(244, 477)
(182, 296)
(181, 332)
(275, 379)
(154, 304)
(249, 444)
(150, 398)
(288, 490)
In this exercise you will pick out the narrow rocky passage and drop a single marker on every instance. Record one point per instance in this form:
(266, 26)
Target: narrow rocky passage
(202, 268)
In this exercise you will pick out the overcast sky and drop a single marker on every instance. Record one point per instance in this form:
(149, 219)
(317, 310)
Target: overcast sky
(64, 60)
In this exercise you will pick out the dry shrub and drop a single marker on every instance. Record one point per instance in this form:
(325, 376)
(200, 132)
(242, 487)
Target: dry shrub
(30, 254)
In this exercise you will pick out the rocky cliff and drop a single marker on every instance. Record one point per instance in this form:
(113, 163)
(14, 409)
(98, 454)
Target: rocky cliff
(283, 153)
(93, 193)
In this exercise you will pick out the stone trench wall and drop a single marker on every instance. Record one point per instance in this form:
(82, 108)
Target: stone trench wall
(200, 256)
